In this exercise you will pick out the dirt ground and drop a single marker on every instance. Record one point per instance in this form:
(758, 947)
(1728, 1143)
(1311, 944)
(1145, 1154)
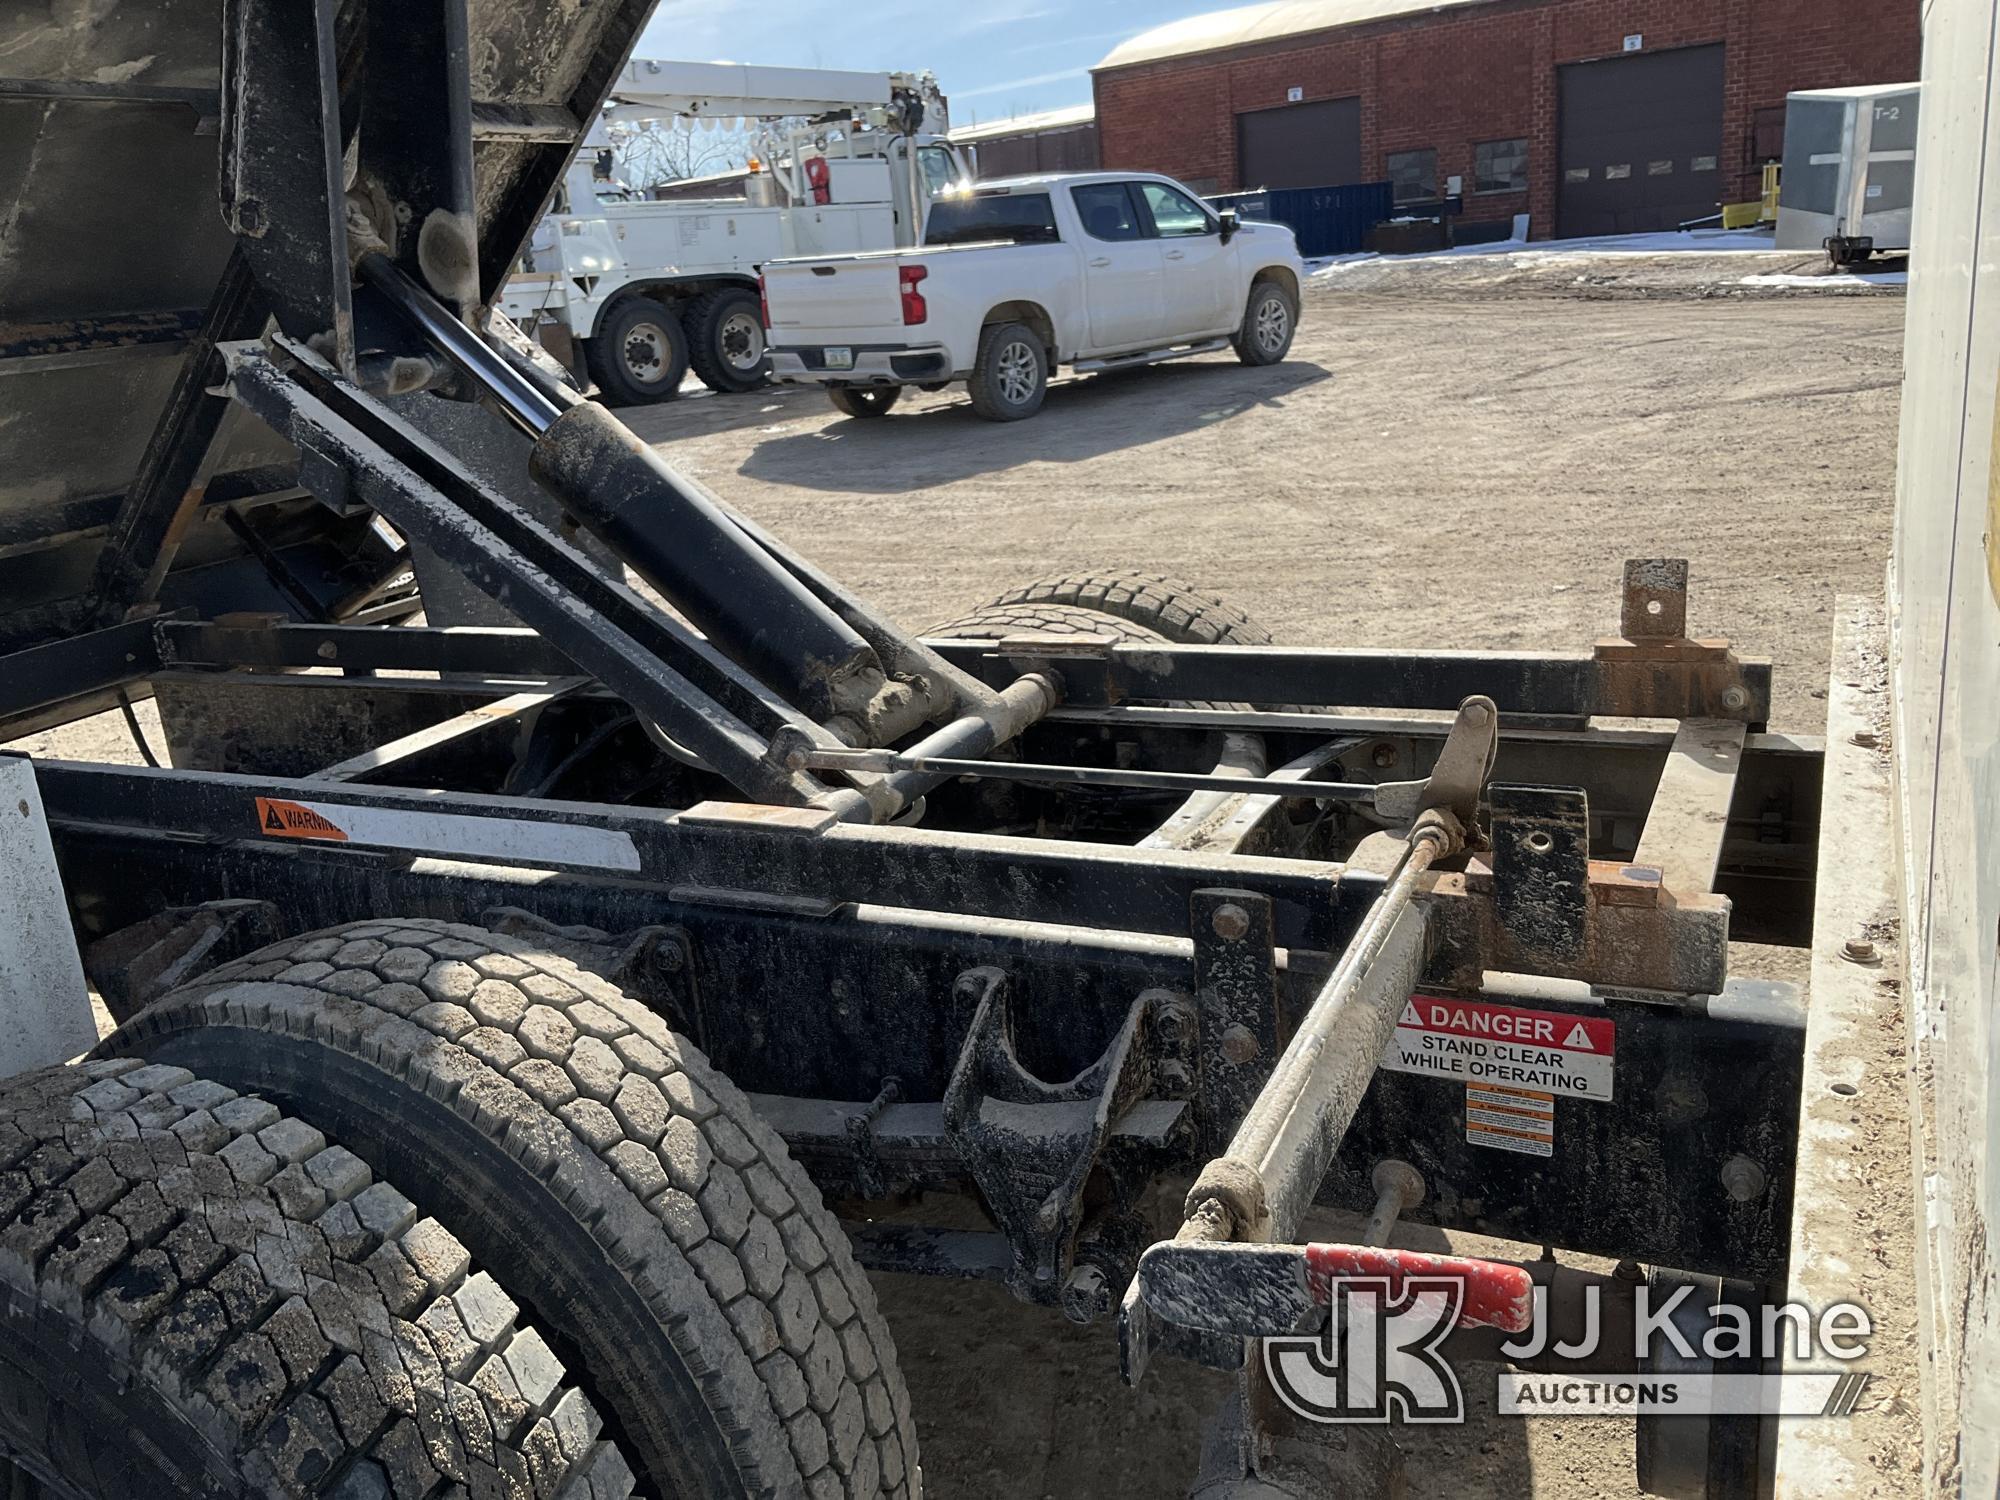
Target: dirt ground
(1458, 459)
(1433, 467)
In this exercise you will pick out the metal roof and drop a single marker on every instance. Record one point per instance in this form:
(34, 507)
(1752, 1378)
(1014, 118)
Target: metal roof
(1048, 119)
(1858, 91)
(1220, 29)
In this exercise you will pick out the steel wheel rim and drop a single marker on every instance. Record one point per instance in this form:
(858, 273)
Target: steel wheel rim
(1273, 324)
(1017, 371)
(741, 339)
(645, 352)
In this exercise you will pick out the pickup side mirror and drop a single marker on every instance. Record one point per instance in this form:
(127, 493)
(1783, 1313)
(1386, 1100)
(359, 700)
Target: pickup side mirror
(1230, 224)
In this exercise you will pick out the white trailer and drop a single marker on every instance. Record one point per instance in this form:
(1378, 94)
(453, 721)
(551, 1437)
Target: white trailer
(635, 293)
(1850, 170)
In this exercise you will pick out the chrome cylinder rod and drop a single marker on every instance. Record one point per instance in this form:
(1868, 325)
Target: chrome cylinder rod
(516, 395)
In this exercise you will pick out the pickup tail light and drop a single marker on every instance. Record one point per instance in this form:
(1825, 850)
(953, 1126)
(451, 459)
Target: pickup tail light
(915, 309)
(764, 303)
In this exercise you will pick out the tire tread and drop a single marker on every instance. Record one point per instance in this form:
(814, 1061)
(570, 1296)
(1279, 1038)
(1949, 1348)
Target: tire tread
(646, 1144)
(1158, 606)
(301, 1316)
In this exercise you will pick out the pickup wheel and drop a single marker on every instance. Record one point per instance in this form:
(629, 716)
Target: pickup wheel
(725, 331)
(864, 400)
(1010, 378)
(1270, 320)
(639, 354)
(610, 1178)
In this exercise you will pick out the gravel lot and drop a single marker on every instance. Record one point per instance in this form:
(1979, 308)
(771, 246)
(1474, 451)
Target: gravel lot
(1443, 462)
(1454, 458)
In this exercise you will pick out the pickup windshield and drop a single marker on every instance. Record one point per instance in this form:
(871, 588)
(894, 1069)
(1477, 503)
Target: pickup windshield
(970, 219)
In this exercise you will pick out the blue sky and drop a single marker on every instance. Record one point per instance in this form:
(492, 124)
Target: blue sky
(992, 57)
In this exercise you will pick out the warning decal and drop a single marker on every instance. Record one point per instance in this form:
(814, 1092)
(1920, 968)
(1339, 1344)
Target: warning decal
(292, 820)
(1522, 1120)
(1474, 1042)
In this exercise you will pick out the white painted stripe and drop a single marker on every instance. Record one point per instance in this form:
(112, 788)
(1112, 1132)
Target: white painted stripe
(520, 841)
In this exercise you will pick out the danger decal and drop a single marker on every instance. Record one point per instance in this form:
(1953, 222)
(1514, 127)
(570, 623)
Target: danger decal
(293, 820)
(1473, 1042)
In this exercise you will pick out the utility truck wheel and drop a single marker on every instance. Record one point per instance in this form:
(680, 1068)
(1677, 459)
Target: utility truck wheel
(864, 400)
(639, 353)
(725, 334)
(1010, 378)
(200, 1296)
(1124, 606)
(1270, 320)
(613, 1181)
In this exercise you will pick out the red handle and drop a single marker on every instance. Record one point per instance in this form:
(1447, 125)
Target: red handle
(1496, 1295)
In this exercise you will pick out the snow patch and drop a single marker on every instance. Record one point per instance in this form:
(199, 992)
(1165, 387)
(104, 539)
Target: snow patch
(1864, 278)
(1544, 252)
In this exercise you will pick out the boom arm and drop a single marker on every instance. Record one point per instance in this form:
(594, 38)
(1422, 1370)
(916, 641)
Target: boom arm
(648, 89)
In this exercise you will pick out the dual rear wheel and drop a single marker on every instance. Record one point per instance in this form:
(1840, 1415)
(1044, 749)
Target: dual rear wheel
(575, 1153)
(644, 349)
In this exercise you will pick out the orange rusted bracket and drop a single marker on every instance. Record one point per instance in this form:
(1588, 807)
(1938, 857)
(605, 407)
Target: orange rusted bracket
(1654, 670)
(1638, 934)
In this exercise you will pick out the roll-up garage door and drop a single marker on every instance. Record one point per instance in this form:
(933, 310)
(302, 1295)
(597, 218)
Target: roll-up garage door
(1640, 142)
(1301, 145)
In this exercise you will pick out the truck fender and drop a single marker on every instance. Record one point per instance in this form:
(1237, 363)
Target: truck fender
(1035, 316)
(1279, 272)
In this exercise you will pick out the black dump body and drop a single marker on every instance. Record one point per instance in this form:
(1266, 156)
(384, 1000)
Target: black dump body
(112, 250)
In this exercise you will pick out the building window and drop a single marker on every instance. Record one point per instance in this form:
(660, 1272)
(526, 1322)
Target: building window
(1500, 166)
(1414, 175)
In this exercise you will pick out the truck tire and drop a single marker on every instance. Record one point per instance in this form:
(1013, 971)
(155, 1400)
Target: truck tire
(725, 334)
(1270, 321)
(1126, 606)
(202, 1297)
(864, 400)
(613, 1180)
(639, 353)
(1010, 377)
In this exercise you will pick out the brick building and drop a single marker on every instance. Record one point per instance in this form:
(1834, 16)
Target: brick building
(1593, 116)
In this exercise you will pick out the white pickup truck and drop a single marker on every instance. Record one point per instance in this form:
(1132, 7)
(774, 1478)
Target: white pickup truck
(1097, 270)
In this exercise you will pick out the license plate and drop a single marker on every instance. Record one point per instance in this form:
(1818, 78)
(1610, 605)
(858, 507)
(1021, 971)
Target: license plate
(840, 359)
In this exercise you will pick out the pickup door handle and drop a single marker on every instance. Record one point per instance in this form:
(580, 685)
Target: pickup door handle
(1177, 255)
(1101, 261)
